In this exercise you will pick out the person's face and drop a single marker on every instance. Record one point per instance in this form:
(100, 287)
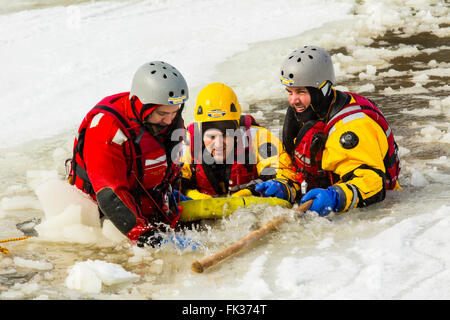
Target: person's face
(218, 145)
(163, 115)
(299, 98)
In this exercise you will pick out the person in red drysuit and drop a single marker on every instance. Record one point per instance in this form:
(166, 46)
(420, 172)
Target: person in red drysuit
(125, 155)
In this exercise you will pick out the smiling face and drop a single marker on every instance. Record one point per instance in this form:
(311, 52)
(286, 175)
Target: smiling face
(218, 145)
(299, 98)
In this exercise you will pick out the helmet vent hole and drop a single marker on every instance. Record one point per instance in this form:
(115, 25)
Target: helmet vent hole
(170, 94)
(200, 110)
(164, 68)
(164, 76)
(291, 75)
(303, 51)
(313, 49)
(152, 64)
(291, 57)
(182, 91)
(153, 72)
(175, 74)
(299, 59)
(233, 108)
(282, 72)
(310, 56)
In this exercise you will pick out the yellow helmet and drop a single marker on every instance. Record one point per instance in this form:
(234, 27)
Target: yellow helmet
(217, 102)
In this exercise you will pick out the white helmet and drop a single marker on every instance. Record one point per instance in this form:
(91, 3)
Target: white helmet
(309, 66)
(158, 82)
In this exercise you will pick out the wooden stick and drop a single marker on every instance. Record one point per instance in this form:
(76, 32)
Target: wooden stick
(205, 263)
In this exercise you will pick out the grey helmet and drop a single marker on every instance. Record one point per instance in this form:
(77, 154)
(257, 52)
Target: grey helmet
(158, 82)
(309, 66)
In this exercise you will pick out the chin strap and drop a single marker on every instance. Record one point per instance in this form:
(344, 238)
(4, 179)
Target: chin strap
(326, 88)
(328, 91)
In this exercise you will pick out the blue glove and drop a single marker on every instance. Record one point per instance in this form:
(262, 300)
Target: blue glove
(157, 239)
(180, 242)
(272, 188)
(180, 196)
(325, 200)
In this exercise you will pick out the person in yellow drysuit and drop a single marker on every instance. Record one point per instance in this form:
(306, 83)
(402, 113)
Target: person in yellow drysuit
(342, 147)
(228, 153)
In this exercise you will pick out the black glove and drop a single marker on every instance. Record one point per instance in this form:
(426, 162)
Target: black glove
(250, 186)
(154, 239)
(149, 238)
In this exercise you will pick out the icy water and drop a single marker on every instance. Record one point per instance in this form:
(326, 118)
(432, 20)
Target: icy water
(397, 249)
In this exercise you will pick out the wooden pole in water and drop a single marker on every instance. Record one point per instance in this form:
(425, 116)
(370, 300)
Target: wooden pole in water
(205, 263)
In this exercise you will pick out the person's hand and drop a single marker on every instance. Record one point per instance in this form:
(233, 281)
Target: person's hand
(181, 242)
(324, 200)
(273, 188)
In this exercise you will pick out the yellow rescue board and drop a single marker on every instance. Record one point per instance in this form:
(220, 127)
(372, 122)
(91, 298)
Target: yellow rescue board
(215, 208)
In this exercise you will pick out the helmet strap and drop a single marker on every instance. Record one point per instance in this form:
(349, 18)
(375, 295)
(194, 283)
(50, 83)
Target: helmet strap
(321, 99)
(333, 100)
(137, 119)
(326, 88)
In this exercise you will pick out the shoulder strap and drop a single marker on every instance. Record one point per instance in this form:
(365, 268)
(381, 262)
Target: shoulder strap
(130, 134)
(357, 105)
(126, 129)
(112, 111)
